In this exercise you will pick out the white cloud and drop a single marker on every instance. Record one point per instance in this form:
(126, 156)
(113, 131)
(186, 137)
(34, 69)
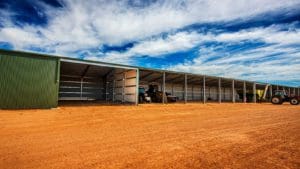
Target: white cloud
(83, 25)
(177, 42)
(80, 25)
(19, 37)
(249, 64)
(183, 41)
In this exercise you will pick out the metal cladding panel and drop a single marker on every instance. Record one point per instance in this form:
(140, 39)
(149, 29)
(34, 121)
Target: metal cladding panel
(130, 98)
(213, 93)
(227, 94)
(131, 82)
(72, 88)
(125, 88)
(119, 76)
(130, 90)
(119, 83)
(194, 92)
(130, 87)
(131, 74)
(179, 91)
(118, 90)
(168, 88)
(28, 82)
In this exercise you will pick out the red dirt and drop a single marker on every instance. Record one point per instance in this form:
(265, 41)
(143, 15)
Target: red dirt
(152, 136)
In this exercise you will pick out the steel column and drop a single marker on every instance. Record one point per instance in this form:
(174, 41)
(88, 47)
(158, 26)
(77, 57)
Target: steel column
(81, 88)
(185, 88)
(106, 90)
(244, 92)
(271, 91)
(137, 86)
(254, 92)
(123, 87)
(204, 95)
(219, 90)
(164, 88)
(233, 92)
(113, 92)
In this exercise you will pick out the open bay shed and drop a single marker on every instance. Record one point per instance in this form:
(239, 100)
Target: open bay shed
(32, 80)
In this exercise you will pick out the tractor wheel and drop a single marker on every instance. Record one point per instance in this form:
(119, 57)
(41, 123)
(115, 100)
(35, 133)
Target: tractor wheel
(294, 101)
(276, 100)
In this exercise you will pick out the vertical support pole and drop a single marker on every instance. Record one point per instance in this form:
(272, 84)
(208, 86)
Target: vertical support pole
(137, 85)
(81, 88)
(271, 91)
(204, 94)
(219, 90)
(254, 92)
(123, 87)
(113, 90)
(164, 88)
(298, 92)
(277, 87)
(57, 73)
(244, 92)
(233, 92)
(106, 87)
(289, 91)
(106, 90)
(185, 88)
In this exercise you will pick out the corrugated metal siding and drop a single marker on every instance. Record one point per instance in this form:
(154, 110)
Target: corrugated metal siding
(28, 82)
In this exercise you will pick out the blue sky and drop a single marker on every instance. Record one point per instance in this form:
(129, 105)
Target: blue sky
(252, 40)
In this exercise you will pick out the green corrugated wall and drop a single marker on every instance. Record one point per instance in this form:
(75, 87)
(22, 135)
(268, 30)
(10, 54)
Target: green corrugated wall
(28, 82)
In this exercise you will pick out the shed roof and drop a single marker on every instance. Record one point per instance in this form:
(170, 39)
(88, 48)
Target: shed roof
(76, 60)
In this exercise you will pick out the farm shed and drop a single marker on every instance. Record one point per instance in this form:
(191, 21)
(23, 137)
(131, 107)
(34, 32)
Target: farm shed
(33, 80)
(30, 80)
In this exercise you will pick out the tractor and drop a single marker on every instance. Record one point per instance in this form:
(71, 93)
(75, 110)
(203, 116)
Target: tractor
(281, 96)
(154, 95)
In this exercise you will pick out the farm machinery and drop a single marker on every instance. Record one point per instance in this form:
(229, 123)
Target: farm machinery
(280, 96)
(154, 95)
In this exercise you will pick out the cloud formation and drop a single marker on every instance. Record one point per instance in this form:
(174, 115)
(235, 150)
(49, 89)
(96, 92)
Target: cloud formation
(161, 29)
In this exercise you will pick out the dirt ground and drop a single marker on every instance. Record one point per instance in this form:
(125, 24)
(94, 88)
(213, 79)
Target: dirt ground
(152, 136)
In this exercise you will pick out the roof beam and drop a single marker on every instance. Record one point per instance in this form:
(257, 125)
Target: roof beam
(160, 77)
(109, 72)
(174, 78)
(194, 80)
(148, 74)
(85, 71)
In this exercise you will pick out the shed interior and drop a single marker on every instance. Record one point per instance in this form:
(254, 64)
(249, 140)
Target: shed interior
(89, 82)
(191, 88)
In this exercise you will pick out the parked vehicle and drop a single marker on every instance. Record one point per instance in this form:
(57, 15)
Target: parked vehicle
(153, 95)
(143, 96)
(280, 96)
